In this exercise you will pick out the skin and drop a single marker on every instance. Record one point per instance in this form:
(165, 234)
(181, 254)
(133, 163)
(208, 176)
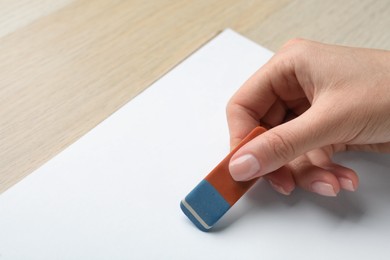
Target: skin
(316, 100)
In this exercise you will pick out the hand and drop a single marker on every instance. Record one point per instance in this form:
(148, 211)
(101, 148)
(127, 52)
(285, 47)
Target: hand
(316, 99)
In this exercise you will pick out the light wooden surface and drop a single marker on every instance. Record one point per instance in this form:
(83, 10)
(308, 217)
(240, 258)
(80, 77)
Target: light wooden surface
(67, 65)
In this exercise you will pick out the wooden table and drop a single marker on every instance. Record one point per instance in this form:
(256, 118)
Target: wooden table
(67, 65)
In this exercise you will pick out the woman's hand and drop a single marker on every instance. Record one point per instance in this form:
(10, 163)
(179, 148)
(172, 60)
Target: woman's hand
(316, 99)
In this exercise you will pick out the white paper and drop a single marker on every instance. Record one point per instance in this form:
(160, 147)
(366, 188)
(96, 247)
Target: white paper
(115, 193)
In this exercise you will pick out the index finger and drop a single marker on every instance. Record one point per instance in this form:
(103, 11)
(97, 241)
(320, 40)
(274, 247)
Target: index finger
(275, 82)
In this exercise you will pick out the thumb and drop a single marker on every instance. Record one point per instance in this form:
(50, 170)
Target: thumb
(280, 145)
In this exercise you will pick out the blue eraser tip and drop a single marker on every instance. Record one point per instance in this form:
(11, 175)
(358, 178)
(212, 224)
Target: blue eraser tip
(204, 206)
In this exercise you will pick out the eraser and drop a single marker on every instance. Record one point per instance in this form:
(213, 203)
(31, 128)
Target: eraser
(217, 192)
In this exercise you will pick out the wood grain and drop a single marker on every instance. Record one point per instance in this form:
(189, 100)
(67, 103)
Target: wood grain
(65, 67)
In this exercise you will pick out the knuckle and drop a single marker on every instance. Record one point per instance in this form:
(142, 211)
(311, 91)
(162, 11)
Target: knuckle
(231, 107)
(294, 42)
(291, 53)
(297, 47)
(280, 146)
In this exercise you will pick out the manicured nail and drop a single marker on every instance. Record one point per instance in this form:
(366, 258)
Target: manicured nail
(346, 184)
(323, 188)
(279, 188)
(244, 167)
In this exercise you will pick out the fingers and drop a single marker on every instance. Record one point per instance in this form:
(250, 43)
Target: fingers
(281, 180)
(314, 178)
(314, 172)
(280, 145)
(346, 177)
(323, 181)
(241, 121)
(326, 181)
(267, 90)
(275, 115)
(266, 98)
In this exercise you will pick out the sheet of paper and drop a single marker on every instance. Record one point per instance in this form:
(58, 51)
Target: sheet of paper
(115, 193)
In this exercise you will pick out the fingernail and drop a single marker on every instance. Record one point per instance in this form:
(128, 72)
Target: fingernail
(323, 188)
(346, 184)
(279, 188)
(244, 167)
